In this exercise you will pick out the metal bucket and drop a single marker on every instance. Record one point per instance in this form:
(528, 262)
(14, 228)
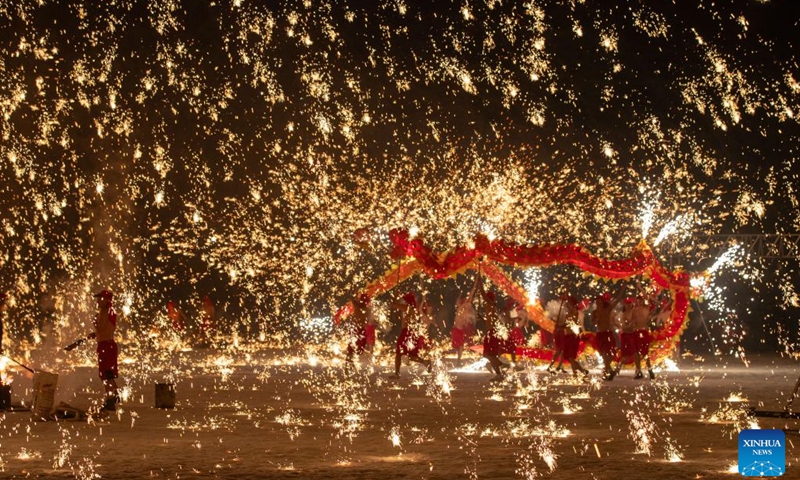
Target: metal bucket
(165, 395)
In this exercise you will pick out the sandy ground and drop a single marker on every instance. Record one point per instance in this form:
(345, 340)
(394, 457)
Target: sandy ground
(259, 413)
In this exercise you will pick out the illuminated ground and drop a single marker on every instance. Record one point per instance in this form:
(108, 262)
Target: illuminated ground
(273, 417)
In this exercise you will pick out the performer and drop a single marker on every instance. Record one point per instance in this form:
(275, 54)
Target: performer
(520, 319)
(640, 316)
(627, 338)
(603, 320)
(105, 324)
(493, 344)
(559, 333)
(512, 334)
(177, 317)
(464, 323)
(426, 316)
(411, 339)
(358, 332)
(574, 319)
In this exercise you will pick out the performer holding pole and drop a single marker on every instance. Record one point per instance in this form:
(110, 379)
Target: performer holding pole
(411, 340)
(627, 336)
(574, 316)
(492, 343)
(177, 317)
(516, 335)
(464, 323)
(358, 333)
(105, 324)
(603, 320)
(640, 317)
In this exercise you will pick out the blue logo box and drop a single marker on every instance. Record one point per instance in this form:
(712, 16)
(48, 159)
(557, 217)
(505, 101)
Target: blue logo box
(762, 453)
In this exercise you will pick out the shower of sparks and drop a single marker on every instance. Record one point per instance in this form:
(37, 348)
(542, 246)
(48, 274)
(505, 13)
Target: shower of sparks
(733, 418)
(646, 216)
(548, 456)
(440, 386)
(672, 451)
(673, 227)
(673, 399)
(5, 378)
(670, 365)
(526, 466)
(732, 254)
(736, 397)
(317, 329)
(394, 437)
(641, 431)
(24, 454)
(478, 366)
(647, 429)
(260, 152)
(498, 140)
(568, 406)
(533, 281)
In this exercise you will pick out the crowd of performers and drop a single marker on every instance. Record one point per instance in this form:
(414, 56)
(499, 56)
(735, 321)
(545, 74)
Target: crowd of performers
(621, 325)
(205, 332)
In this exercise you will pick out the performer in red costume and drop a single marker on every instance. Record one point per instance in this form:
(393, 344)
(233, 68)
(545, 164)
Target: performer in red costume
(464, 323)
(574, 315)
(412, 339)
(559, 334)
(358, 332)
(105, 324)
(640, 317)
(177, 317)
(493, 344)
(627, 339)
(603, 320)
(512, 334)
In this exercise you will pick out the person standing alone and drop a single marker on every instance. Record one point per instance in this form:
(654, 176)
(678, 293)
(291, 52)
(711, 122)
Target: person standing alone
(105, 325)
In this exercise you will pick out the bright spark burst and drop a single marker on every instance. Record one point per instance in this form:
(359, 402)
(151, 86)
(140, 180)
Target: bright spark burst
(647, 214)
(672, 451)
(641, 431)
(394, 437)
(533, 281)
(734, 419)
(680, 225)
(732, 254)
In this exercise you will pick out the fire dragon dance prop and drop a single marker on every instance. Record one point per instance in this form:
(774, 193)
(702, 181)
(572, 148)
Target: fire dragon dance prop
(485, 256)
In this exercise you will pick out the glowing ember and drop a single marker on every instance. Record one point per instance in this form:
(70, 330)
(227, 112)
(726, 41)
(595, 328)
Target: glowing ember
(736, 397)
(672, 451)
(394, 436)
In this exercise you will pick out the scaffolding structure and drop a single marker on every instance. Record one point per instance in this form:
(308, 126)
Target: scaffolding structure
(767, 246)
(762, 246)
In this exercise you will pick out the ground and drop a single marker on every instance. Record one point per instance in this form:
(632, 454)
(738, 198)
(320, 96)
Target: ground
(264, 413)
